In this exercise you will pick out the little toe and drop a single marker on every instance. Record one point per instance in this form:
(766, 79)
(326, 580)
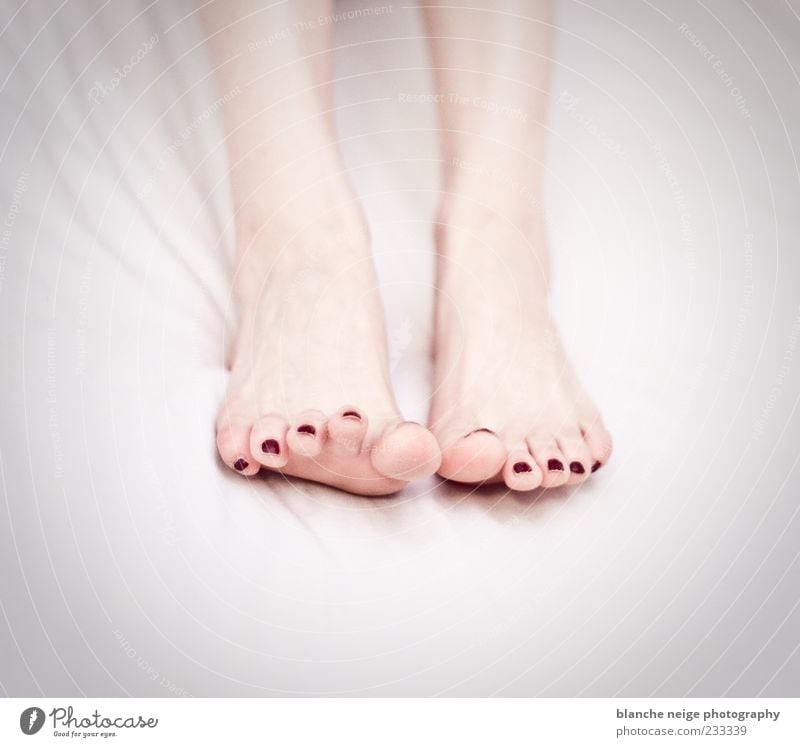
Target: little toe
(233, 444)
(551, 461)
(346, 430)
(476, 457)
(521, 472)
(406, 452)
(598, 440)
(308, 434)
(578, 457)
(268, 441)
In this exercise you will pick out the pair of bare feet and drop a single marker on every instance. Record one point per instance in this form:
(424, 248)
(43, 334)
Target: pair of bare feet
(310, 393)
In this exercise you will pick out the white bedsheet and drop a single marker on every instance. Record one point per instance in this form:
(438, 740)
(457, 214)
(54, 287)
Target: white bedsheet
(132, 562)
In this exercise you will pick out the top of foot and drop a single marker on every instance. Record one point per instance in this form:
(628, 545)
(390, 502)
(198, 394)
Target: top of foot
(309, 393)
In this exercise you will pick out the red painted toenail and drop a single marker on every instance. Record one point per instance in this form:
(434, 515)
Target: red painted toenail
(351, 414)
(481, 430)
(310, 429)
(271, 446)
(596, 466)
(240, 465)
(577, 468)
(555, 466)
(522, 467)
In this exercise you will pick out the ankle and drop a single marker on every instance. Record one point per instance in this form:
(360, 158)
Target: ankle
(510, 219)
(477, 190)
(493, 237)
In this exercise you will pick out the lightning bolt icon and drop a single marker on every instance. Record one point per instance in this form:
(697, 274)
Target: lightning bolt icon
(34, 718)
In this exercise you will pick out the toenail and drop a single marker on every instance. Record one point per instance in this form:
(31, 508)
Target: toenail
(351, 414)
(271, 446)
(522, 467)
(310, 429)
(576, 468)
(240, 465)
(596, 466)
(555, 465)
(482, 430)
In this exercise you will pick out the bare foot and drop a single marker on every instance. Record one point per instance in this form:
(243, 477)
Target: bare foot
(309, 393)
(507, 404)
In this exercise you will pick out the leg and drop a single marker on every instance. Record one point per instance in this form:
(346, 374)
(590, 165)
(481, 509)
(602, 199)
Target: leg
(309, 392)
(508, 405)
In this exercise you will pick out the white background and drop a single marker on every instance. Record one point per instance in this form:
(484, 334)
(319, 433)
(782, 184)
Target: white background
(134, 563)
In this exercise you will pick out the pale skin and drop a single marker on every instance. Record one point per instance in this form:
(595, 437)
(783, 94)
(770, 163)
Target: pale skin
(310, 393)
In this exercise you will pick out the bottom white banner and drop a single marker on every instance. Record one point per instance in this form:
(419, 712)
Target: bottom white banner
(388, 721)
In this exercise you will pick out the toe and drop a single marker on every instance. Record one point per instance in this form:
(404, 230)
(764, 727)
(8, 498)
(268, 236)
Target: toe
(598, 440)
(551, 461)
(577, 455)
(268, 441)
(346, 430)
(476, 457)
(521, 472)
(407, 452)
(308, 434)
(233, 445)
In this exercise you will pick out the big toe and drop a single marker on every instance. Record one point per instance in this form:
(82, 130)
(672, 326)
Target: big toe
(407, 452)
(477, 457)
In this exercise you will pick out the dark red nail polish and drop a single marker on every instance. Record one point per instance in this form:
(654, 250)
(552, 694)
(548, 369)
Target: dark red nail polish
(240, 465)
(554, 465)
(482, 430)
(310, 429)
(271, 446)
(576, 468)
(351, 414)
(522, 467)
(596, 466)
